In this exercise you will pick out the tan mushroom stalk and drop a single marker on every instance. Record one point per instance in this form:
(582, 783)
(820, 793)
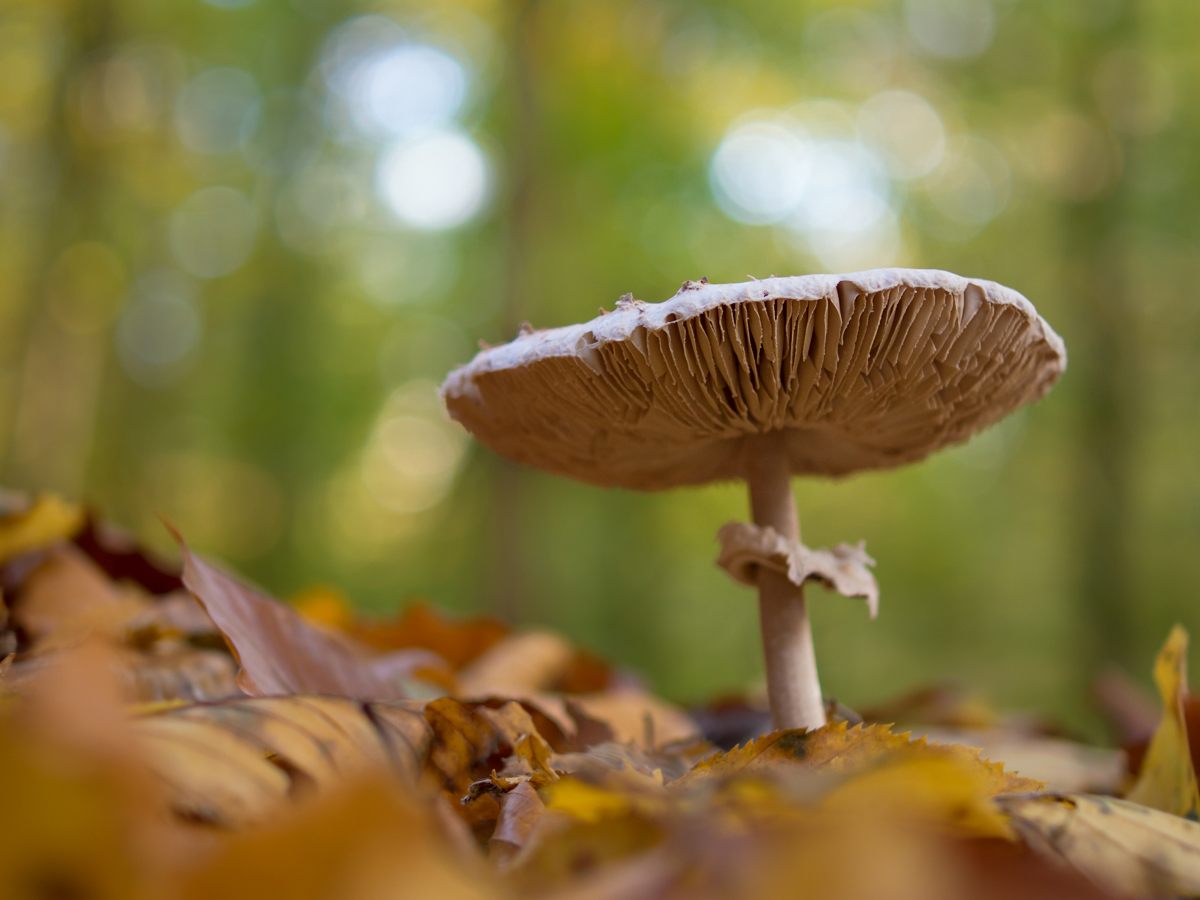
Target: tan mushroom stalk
(793, 688)
(821, 374)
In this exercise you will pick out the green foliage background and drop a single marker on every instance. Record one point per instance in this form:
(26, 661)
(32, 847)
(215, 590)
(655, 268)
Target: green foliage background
(1019, 564)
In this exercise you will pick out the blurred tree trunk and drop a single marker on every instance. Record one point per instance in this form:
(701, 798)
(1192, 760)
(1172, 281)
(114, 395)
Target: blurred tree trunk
(507, 581)
(1105, 367)
(57, 392)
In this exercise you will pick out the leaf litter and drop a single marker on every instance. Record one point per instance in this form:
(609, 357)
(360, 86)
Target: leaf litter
(174, 733)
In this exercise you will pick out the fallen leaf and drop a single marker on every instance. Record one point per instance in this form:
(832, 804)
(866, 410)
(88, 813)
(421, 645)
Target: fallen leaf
(1065, 766)
(586, 673)
(279, 653)
(66, 826)
(369, 841)
(46, 521)
(68, 597)
(531, 661)
(941, 789)
(238, 763)
(635, 715)
(510, 721)
(211, 775)
(457, 641)
(1168, 780)
(837, 748)
(177, 614)
(520, 811)
(462, 739)
(173, 671)
(1123, 847)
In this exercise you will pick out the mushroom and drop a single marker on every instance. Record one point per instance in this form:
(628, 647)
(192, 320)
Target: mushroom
(819, 374)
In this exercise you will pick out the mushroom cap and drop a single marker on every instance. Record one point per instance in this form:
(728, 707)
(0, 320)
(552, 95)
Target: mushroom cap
(862, 371)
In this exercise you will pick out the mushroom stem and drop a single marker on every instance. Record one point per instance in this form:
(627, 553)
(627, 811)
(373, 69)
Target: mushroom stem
(792, 684)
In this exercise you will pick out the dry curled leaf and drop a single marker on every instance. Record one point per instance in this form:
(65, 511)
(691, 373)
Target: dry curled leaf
(520, 811)
(1167, 780)
(279, 652)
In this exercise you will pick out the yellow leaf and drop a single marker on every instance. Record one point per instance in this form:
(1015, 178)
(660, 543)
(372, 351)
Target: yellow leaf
(940, 788)
(368, 842)
(48, 520)
(1123, 847)
(65, 829)
(835, 745)
(586, 802)
(1167, 780)
(837, 748)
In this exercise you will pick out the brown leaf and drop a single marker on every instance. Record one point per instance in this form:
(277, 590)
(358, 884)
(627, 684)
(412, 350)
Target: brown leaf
(520, 811)
(68, 597)
(511, 721)
(586, 673)
(532, 661)
(634, 715)
(462, 740)
(279, 653)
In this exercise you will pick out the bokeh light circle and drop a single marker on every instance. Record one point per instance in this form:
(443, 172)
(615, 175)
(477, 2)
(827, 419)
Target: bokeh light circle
(411, 87)
(435, 181)
(760, 171)
(159, 328)
(951, 29)
(211, 109)
(905, 130)
(213, 231)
